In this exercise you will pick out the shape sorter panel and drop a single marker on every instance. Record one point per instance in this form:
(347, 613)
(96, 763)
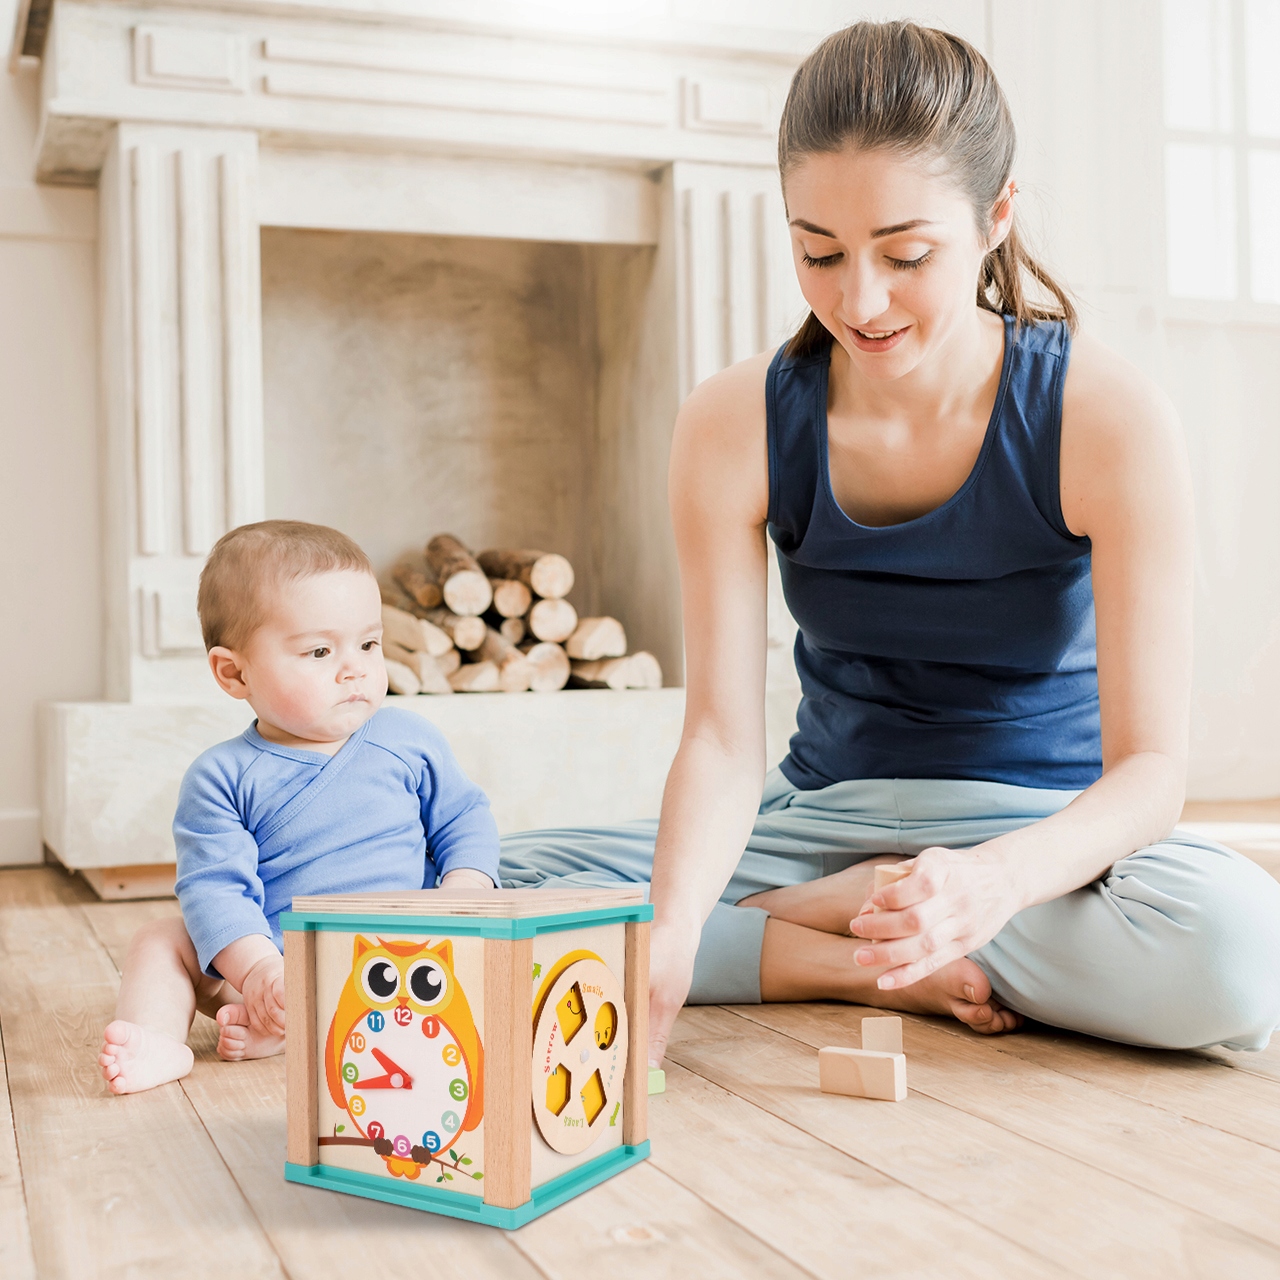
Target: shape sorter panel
(400, 1029)
(559, 959)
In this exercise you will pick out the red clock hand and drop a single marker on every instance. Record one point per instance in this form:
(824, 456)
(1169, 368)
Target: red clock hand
(393, 1071)
(383, 1082)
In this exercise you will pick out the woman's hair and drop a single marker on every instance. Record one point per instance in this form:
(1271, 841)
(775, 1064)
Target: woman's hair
(916, 91)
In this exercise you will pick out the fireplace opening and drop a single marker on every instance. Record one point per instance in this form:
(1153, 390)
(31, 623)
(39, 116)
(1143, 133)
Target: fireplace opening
(499, 389)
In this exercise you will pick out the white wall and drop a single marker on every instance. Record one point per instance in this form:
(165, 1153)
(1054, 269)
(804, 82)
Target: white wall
(50, 619)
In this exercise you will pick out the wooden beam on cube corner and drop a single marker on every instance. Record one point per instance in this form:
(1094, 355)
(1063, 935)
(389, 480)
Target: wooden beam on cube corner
(300, 1063)
(508, 1052)
(635, 987)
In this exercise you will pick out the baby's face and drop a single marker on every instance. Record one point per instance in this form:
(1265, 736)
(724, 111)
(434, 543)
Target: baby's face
(314, 669)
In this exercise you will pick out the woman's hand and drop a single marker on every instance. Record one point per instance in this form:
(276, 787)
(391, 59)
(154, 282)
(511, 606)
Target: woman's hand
(953, 902)
(671, 954)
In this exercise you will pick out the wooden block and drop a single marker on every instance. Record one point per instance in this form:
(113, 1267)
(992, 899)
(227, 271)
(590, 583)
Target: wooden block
(657, 1081)
(508, 1049)
(119, 884)
(863, 1073)
(300, 1064)
(596, 638)
(884, 1035)
(635, 986)
(400, 679)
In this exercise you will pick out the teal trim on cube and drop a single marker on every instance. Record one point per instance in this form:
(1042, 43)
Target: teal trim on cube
(455, 1204)
(463, 926)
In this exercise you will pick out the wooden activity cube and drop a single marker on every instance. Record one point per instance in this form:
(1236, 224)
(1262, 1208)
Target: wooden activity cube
(477, 1055)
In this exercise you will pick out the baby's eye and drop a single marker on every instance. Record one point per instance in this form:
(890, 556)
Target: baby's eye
(322, 652)
(369, 646)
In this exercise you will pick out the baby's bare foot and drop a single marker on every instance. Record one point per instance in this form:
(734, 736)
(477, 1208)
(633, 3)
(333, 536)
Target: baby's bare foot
(134, 1058)
(237, 1039)
(959, 990)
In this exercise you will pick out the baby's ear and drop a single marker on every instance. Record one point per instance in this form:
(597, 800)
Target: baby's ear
(445, 952)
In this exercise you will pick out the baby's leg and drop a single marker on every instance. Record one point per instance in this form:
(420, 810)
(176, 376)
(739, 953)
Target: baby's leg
(159, 989)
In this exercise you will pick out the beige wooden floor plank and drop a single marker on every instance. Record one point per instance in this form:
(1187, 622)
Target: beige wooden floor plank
(643, 1225)
(1193, 1084)
(118, 1186)
(1087, 1221)
(17, 1262)
(815, 1204)
(1195, 1165)
(242, 1105)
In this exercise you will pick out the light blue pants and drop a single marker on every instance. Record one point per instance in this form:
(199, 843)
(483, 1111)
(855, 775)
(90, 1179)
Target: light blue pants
(1177, 946)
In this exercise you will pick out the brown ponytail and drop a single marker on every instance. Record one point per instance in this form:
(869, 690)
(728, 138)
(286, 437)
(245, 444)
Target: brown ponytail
(917, 91)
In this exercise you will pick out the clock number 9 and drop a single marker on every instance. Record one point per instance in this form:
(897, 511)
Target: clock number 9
(430, 1027)
(457, 1090)
(376, 1021)
(356, 1105)
(350, 1072)
(451, 1055)
(356, 1042)
(403, 1016)
(432, 1141)
(375, 1130)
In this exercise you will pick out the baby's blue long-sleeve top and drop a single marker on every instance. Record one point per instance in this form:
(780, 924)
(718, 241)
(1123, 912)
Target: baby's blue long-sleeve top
(259, 823)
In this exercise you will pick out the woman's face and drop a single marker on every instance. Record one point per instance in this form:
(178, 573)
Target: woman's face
(887, 253)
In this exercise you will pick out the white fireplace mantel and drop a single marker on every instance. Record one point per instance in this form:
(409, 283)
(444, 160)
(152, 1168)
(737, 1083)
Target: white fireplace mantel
(204, 123)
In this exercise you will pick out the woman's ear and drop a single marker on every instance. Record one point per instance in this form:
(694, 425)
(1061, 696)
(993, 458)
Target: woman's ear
(1002, 215)
(225, 666)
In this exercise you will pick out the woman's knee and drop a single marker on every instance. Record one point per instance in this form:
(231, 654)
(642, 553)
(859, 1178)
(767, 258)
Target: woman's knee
(1220, 962)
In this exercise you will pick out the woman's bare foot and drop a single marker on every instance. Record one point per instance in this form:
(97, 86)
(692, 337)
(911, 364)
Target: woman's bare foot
(237, 1039)
(134, 1058)
(828, 903)
(958, 990)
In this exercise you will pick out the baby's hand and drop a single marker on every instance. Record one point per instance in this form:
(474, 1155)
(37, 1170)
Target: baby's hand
(465, 878)
(263, 993)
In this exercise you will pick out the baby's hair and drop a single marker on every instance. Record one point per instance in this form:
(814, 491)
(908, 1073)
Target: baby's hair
(248, 562)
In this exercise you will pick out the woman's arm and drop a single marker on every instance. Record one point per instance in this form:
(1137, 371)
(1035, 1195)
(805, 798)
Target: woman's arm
(1125, 484)
(719, 501)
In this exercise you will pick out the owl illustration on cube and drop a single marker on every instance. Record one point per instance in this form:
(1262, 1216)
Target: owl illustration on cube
(403, 1058)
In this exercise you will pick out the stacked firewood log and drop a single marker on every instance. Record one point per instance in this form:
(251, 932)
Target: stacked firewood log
(454, 622)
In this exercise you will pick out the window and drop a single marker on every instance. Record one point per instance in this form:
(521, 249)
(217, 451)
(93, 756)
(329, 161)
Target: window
(1222, 149)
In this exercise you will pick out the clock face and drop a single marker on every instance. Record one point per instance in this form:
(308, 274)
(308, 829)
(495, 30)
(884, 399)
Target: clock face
(405, 1079)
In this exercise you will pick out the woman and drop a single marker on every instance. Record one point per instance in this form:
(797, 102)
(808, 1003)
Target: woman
(955, 489)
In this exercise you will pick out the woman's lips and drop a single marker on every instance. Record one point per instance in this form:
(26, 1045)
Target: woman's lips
(877, 344)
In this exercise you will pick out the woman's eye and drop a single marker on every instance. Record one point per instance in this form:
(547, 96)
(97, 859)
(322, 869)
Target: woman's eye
(910, 264)
(320, 653)
(821, 262)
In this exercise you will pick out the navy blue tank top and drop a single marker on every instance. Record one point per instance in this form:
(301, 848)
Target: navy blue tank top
(957, 645)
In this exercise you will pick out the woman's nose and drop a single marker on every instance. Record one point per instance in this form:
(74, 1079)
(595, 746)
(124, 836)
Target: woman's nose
(865, 296)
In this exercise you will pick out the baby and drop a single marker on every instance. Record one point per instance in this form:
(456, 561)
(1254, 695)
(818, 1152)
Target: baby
(323, 793)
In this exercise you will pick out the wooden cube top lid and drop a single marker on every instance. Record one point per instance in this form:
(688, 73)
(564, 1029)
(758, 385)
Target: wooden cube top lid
(503, 904)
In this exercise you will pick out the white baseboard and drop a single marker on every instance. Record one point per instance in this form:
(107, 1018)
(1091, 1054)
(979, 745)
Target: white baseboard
(20, 843)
